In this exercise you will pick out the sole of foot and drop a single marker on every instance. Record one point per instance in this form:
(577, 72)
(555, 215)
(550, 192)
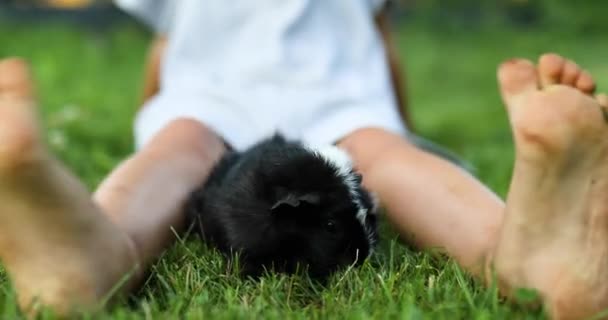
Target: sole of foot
(59, 250)
(554, 237)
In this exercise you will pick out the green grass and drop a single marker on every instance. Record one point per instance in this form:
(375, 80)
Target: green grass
(89, 84)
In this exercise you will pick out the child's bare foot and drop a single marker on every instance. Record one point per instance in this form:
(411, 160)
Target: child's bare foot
(555, 235)
(58, 249)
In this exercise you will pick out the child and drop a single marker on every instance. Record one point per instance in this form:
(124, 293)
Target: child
(316, 71)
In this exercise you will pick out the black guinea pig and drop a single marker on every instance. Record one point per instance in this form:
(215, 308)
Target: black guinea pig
(281, 204)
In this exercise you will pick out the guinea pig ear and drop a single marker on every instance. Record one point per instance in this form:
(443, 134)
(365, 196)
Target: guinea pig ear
(291, 200)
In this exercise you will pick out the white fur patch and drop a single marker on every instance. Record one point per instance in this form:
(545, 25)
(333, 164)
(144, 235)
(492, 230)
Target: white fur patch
(341, 160)
(336, 156)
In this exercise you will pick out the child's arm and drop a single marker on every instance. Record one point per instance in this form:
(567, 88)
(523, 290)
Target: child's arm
(396, 72)
(158, 15)
(151, 81)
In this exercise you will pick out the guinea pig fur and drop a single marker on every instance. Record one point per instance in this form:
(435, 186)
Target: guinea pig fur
(281, 205)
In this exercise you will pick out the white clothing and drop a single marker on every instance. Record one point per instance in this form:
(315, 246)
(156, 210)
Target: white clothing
(313, 70)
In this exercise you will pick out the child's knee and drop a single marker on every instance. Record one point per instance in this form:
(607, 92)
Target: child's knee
(186, 135)
(370, 146)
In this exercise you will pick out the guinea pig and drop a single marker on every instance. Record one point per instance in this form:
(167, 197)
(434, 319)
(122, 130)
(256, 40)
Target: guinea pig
(280, 205)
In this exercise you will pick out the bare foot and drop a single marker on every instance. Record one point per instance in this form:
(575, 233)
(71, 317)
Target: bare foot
(555, 232)
(58, 249)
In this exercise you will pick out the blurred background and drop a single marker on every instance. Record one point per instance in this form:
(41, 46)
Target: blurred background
(88, 60)
(586, 15)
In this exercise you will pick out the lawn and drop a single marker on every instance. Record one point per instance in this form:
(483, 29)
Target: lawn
(89, 83)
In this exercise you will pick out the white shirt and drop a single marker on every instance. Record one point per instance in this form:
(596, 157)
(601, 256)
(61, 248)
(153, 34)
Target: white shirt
(274, 65)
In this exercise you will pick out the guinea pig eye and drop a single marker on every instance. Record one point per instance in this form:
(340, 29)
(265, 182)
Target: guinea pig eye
(330, 226)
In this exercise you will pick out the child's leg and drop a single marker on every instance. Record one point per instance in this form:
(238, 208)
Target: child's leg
(429, 200)
(554, 237)
(144, 196)
(59, 246)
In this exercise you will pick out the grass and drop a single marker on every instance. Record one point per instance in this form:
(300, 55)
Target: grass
(89, 84)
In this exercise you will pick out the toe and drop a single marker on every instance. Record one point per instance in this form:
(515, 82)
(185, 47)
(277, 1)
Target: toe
(15, 79)
(18, 119)
(555, 69)
(550, 68)
(570, 74)
(585, 82)
(516, 79)
(602, 99)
